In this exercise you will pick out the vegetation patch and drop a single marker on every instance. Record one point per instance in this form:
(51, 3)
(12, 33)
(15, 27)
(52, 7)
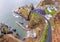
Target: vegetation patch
(52, 13)
(45, 34)
(35, 15)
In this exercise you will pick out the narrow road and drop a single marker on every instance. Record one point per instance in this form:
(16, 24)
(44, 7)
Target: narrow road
(49, 38)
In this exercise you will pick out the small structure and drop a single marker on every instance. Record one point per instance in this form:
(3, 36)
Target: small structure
(48, 16)
(31, 33)
(39, 11)
(50, 8)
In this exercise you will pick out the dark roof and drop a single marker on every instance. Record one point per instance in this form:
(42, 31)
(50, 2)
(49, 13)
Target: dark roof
(39, 11)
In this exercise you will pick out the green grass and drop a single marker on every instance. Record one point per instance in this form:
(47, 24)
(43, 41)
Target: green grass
(32, 24)
(37, 31)
(44, 37)
(57, 24)
(35, 15)
(51, 4)
(44, 5)
(52, 13)
(52, 23)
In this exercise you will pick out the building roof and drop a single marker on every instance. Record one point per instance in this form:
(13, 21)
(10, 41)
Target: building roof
(39, 11)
